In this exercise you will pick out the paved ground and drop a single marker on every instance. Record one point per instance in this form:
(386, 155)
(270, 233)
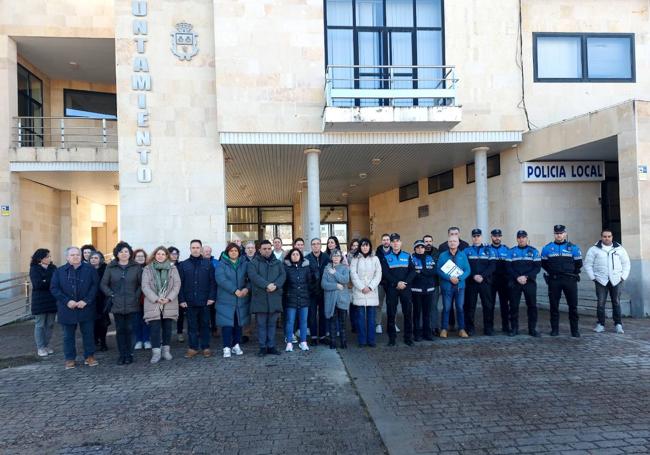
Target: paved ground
(483, 395)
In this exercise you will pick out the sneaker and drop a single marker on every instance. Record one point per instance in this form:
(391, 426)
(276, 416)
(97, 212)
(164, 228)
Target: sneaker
(49, 350)
(294, 338)
(138, 345)
(289, 347)
(70, 364)
(90, 361)
(191, 353)
(443, 333)
(42, 352)
(147, 345)
(378, 329)
(180, 337)
(463, 334)
(155, 355)
(599, 328)
(303, 346)
(619, 328)
(237, 350)
(226, 353)
(397, 330)
(207, 353)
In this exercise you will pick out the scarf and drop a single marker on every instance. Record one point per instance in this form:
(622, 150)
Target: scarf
(161, 275)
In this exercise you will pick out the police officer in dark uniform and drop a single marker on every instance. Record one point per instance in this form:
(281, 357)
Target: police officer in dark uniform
(562, 261)
(523, 265)
(422, 289)
(499, 284)
(398, 270)
(482, 264)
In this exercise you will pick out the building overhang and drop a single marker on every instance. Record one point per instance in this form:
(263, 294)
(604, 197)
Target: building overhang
(391, 118)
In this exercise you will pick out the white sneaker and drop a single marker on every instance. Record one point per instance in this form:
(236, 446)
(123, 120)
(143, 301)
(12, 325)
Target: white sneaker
(138, 345)
(226, 353)
(599, 328)
(397, 330)
(147, 345)
(378, 329)
(166, 353)
(619, 328)
(303, 346)
(42, 352)
(237, 350)
(49, 350)
(289, 347)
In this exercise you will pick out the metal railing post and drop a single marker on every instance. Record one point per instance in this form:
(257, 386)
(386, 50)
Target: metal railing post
(104, 131)
(20, 132)
(62, 133)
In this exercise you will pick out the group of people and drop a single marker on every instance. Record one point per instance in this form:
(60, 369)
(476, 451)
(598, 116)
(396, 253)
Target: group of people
(312, 294)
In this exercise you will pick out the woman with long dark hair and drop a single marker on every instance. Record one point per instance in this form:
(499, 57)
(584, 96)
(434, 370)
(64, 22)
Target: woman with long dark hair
(44, 308)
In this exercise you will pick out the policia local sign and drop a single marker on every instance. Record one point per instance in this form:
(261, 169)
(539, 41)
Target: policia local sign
(563, 171)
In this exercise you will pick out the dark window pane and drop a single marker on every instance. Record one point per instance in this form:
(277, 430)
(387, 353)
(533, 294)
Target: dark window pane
(339, 12)
(36, 88)
(609, 58)
(242, 215)
(399, 13)
(23, 82)
(370, 13)
(429, 13)
(441, 182)
(90, 104)
(277, 215)
(410, 191)
(493, 168)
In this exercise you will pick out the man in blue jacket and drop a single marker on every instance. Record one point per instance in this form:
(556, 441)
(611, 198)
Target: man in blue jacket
(75, 285)
(453, 270)
(482, 264)
(398, 272)
(198, 292)
(523, 265)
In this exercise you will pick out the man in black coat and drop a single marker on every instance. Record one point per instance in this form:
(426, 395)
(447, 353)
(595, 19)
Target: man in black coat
(317, 322)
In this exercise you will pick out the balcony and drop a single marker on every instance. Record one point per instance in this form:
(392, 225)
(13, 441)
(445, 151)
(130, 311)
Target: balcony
(63, 139)
(391, 98)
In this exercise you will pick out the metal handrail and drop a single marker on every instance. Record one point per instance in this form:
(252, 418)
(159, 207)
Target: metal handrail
(392, 84)
(64, 132)
(16, 307)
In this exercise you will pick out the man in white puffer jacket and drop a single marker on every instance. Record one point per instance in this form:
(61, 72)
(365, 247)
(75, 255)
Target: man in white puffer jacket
(608, 265)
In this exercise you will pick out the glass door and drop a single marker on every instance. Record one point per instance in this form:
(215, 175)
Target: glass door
(400, 56)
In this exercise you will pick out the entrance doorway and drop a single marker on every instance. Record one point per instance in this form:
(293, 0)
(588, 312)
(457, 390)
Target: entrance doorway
(259, 223)
(334, 222)
(609, 200)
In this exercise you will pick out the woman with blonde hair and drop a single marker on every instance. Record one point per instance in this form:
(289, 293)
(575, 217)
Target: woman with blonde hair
(160, 286)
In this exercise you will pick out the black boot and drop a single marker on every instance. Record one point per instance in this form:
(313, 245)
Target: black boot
(332, 324)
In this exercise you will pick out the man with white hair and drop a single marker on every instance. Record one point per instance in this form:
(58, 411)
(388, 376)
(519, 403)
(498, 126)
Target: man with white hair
(74, 285)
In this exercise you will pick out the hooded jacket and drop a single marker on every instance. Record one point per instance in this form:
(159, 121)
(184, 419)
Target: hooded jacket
(607, 266)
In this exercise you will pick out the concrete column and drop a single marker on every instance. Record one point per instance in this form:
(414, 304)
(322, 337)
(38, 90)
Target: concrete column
(313, 195)
(480, 176)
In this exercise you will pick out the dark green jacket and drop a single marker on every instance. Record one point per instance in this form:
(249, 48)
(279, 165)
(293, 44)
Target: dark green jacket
(262, 272)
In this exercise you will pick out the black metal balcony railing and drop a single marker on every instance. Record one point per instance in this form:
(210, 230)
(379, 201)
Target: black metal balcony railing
(64, 132)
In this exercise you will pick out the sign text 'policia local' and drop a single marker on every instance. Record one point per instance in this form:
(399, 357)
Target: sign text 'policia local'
(563, 171)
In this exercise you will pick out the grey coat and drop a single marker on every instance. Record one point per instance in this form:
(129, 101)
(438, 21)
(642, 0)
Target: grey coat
(334, 297)
(262, 272)
(230, 279)
(122, 286)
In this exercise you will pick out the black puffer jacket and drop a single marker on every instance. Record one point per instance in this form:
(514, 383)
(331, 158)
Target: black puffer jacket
(297, 285)
(122, 286)
(42, 299)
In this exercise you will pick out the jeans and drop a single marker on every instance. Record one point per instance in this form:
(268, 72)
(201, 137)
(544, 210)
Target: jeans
(124, 333)
(44, 323)
(140, 329)
(366, 325)
(302, 313)
(601, 295)
(198, 327)
(450, 296)
(154, 330)
(317, 321)
(231, 335)
(87, 336)
(266, 329)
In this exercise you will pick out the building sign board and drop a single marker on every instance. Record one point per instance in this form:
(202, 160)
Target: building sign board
(563, 171)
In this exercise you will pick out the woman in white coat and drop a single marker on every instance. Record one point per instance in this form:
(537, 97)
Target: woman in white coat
(365, 272)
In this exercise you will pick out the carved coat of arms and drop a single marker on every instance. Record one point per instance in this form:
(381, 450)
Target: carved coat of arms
(184, 43)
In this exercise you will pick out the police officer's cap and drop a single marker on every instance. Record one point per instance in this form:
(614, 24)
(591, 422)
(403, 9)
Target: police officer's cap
(418, 243)
(522, 233)
(394, 236)
(476, 231)
(496, 232)
(559, 228)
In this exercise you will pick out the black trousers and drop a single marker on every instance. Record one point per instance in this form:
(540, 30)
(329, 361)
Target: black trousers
(124, 333)
(500, 287)
(101, 328)
(338, 318)
(404, 297)
(473, 291)
(181, 319)
(529, 290)
(569, 286)
(422, 303)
